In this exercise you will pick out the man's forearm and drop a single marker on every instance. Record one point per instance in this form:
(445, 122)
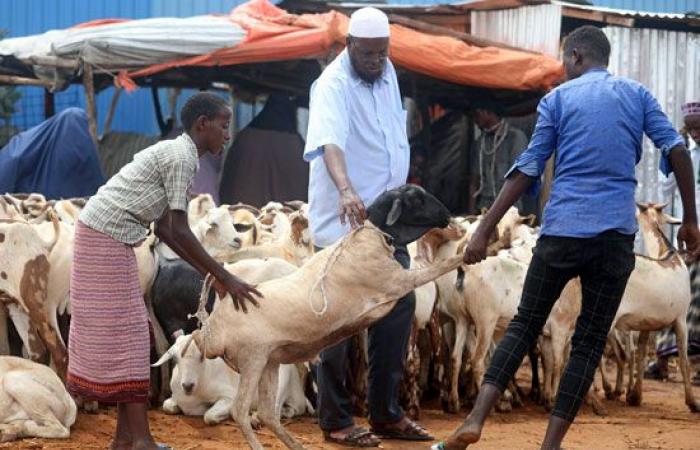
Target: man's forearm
(682, 167)
(334, 158)
(514, 187)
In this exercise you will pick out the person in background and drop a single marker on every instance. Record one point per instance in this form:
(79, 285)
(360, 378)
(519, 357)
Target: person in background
(109, 351)
(358, 149)
(492, 155)
(595, 123)
(265, 162)
(666, 340)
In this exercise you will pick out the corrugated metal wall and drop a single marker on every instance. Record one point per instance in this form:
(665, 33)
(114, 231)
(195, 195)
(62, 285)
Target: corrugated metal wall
(532, 27)
(135, 111)
(668, 64)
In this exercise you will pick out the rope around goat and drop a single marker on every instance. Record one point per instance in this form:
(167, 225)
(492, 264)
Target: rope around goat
(329, 264)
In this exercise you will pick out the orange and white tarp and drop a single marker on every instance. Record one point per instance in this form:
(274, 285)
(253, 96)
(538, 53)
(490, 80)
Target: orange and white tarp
(258, 32)
(275, 35)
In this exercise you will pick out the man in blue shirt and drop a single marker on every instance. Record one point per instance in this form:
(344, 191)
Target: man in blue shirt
(593, 124)
(357, 148)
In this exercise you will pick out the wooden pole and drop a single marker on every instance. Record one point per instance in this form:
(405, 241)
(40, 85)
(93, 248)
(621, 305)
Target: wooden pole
(11, 79)
(88, 83)
(49, 104)
(52, 61)
(110, 114)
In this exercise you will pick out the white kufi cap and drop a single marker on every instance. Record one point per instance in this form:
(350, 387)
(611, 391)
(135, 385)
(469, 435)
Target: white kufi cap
(369, 23)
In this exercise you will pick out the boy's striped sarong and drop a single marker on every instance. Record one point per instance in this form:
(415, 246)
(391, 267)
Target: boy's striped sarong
(109, 351)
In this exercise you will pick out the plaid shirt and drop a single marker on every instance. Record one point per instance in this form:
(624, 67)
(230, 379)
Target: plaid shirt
(159, 178)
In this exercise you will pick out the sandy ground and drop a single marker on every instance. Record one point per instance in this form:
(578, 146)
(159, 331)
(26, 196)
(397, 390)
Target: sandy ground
(662, 422)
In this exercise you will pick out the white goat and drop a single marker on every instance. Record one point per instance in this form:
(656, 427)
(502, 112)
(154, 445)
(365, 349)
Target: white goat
(208, 387)
(33, 401)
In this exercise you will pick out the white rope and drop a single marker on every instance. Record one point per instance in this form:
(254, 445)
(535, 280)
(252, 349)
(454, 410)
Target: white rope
(327, 268)
(202, 315)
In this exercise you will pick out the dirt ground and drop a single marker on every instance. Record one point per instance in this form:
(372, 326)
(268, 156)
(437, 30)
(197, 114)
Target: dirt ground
(662, 422)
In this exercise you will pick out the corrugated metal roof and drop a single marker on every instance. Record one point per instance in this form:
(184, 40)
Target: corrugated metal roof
(624, 12)
(531, 27)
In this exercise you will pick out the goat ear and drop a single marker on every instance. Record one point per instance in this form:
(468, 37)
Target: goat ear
(672, 220)
(167, 356)
(394, 213)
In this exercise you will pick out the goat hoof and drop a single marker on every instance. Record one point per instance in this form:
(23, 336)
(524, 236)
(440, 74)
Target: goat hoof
(504, 407)
(453, 406)
(694, 407)
(600, 410)
(634, 399)
(8, 437)
(90, 407)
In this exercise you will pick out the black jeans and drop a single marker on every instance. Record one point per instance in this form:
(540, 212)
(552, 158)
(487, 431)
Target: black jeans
(604, 264)
(387, 342)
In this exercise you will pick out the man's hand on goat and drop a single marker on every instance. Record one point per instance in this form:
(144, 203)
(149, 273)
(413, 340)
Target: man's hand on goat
(239, 290)
(689, 241)
(476, 249)
(352, 208)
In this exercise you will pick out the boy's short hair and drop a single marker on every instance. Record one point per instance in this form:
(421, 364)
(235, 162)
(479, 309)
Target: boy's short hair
(201, 104)
(591, 42)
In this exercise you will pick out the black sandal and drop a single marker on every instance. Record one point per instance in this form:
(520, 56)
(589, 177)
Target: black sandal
(358, 437)
(411, 432)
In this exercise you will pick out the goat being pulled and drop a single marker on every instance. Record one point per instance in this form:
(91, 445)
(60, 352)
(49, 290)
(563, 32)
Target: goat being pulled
(338, 292)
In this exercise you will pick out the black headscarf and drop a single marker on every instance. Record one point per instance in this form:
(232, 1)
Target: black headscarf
(278, 114)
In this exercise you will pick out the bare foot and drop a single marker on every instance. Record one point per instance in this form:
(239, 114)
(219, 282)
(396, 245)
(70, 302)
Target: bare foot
(466, 434)
(120, 445)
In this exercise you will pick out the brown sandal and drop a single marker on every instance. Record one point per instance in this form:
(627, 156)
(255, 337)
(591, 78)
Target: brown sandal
(411, 432)
(358, 437)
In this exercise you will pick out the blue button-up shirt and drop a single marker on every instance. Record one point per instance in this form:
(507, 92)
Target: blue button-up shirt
(594, 124)
(367, 122)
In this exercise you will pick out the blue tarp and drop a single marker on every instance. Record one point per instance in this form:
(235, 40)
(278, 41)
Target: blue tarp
(56, 158)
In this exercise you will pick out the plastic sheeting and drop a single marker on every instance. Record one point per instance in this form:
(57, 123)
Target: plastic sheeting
(57, 158)
(118, 44)
(143, 42)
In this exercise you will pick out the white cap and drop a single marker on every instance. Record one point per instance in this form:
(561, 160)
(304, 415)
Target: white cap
(369, 23)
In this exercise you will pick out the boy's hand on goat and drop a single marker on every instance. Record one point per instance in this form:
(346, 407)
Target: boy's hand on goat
(239, 290)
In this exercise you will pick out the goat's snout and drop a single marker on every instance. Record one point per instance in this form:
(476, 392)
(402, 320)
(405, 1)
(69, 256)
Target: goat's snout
(188, 388)
(236, 242)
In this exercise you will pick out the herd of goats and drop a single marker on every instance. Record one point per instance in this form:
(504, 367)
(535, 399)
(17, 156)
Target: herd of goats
(213, 361)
